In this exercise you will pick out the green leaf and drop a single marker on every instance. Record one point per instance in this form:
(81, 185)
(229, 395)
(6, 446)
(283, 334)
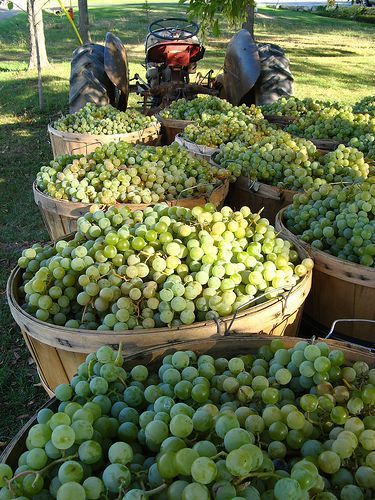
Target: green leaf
(10, 5)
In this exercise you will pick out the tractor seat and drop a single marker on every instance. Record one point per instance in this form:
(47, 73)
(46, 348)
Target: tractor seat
(178, 54)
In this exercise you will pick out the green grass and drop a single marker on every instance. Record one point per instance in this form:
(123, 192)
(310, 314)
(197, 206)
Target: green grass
(330, 59)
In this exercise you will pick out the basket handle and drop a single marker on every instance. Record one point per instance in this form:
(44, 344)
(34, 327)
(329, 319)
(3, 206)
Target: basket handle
(205, 195)
(251, 301)
(87, 145)
(351, 320)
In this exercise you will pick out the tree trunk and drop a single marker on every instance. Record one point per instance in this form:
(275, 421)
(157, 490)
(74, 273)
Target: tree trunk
(37, 40)
(250, 17)
(84, 21)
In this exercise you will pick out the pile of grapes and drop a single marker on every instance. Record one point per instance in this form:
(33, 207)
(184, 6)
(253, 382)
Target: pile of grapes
(156, 267)
(103, 120)
(195, 109)
(294, 107)
(337, 219)
(293, 424)
(365, 143)
(127, 173)
(222, 128)
(292, 163)
(338, 124)
(365, 105)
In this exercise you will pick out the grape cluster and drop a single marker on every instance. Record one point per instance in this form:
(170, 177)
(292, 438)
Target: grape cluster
(286, 423)
(338, 124)
(156, 267)
(365, 143)
(365, 105)
(290, 162)
(201, 107)
(294, 107)
(338, 219)
(104, 120)
(127, 173)
(222, 128)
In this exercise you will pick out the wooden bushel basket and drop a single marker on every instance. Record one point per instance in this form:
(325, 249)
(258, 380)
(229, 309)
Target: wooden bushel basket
(227, 347)
(58, 351)
(60, 216)
(259, 197)
(67, 143)
(171, 127)
(340, 289)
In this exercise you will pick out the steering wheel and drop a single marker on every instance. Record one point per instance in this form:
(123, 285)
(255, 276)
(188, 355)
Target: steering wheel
(175, 28)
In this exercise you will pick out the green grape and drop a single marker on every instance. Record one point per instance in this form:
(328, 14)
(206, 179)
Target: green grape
(70, 471)
(120, 453)
(93, 487)
(71, 490)
(287, 488)
(203, 470)
(63, 437)
(116, 476)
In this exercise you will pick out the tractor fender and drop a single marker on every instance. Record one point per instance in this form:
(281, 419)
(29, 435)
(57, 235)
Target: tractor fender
(117, 68)
(241, 67)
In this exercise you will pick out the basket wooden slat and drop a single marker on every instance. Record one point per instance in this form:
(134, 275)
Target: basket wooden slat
(227, 347)
(60, 216)
(340, 289)
(66, 143)
(171, 127)
(57, 351)
(259, 197)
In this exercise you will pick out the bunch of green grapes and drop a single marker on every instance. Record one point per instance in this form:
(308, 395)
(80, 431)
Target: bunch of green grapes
(283, 423)
(338, 219)
(338, 124)
(104, 120)
(292, 163)
(292, 106)
(365, 105)
(344, 165)
(238, 123)
(365, 143)
(194, 109)
(127, 173)
(277, 159)
(156, 267)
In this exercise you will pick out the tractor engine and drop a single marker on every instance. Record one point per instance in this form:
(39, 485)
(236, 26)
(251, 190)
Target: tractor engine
(172, 50)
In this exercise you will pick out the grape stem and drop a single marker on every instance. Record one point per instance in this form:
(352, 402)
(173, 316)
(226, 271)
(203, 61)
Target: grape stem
(39, 472)
(119, 359)
(155, 491)
(220, 454)
(257, 475)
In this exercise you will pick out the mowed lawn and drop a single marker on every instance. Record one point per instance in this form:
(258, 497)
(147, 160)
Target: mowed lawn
(330, 59)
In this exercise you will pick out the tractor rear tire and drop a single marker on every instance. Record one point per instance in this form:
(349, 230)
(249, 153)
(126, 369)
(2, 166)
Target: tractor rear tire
(88, 79)
(275, 79)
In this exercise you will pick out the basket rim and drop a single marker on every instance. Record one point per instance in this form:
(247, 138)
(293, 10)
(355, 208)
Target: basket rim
(178, 122)
(40, 194)
(15, 277)
(78, 135)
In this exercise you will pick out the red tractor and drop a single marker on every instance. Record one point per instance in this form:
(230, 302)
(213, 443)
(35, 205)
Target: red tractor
(253, 73)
